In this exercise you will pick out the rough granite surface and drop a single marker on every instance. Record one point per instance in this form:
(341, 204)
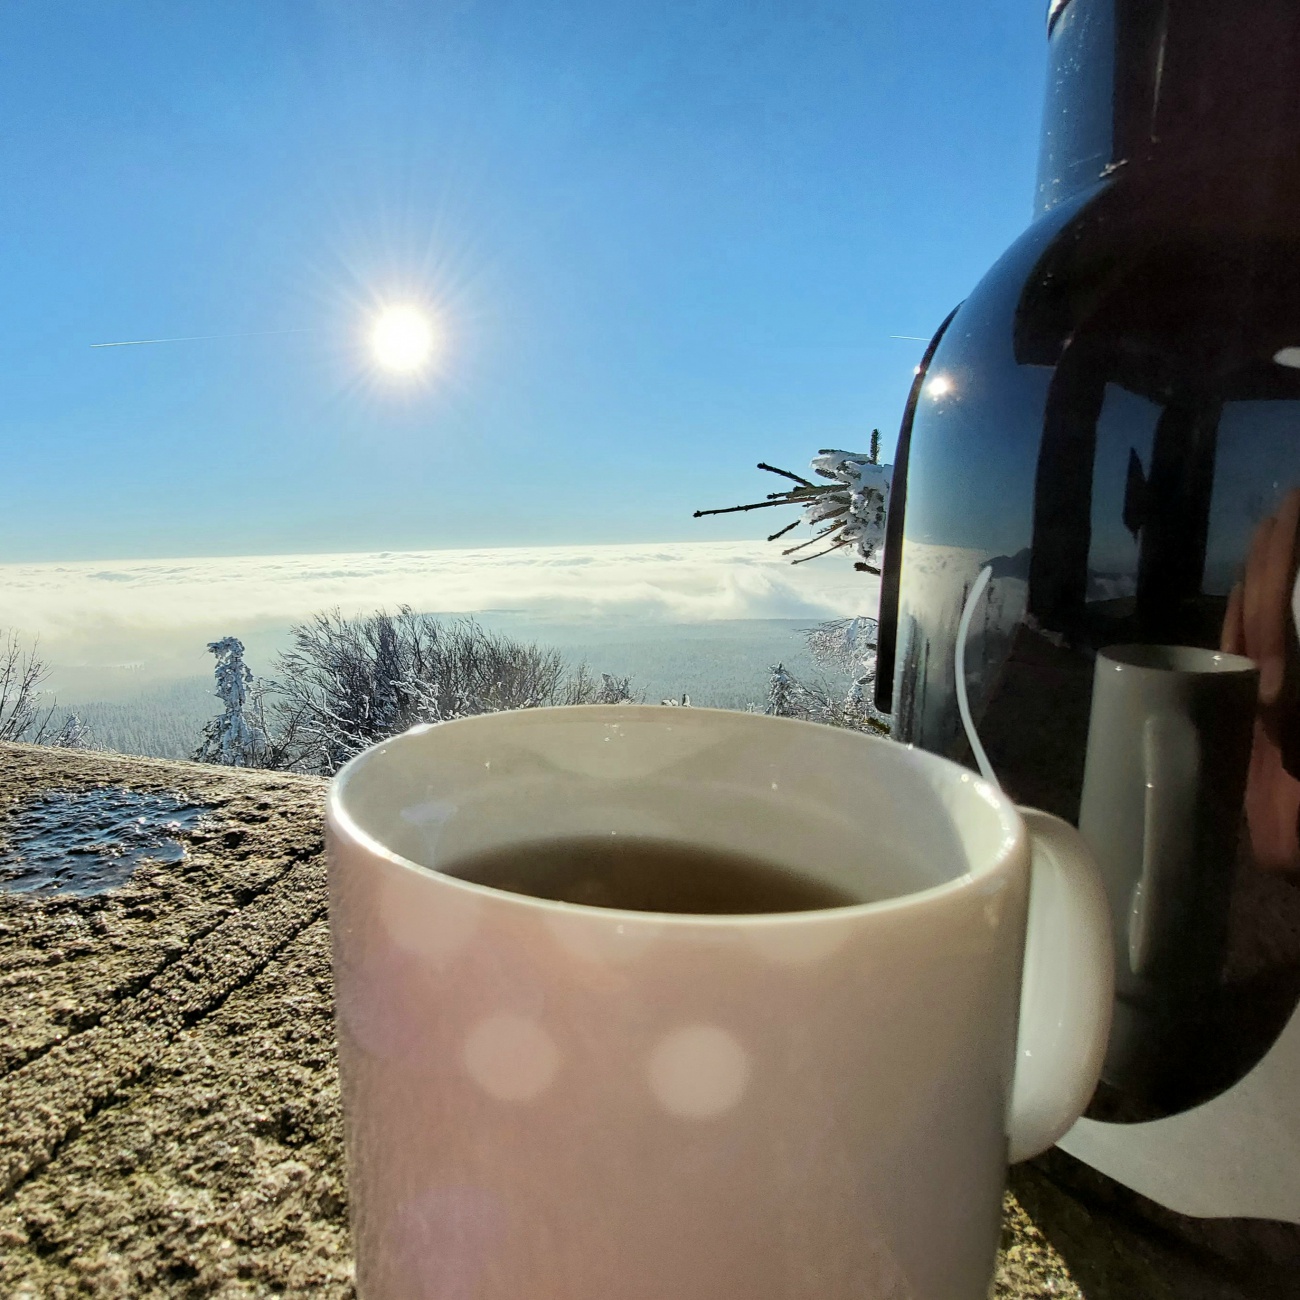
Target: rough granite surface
(169, 1103)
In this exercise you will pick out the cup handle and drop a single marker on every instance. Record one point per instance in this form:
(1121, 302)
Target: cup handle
(1067, 988)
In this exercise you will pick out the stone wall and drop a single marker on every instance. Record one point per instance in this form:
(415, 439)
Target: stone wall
(169, 1118)
(169, 1107)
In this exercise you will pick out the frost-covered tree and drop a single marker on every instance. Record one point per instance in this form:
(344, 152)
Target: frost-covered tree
(346, 683)
(614, 690)
(25, 712)
(72, 734)
(389, 676)
(233, 738)
(847, 513)
(782, 694)
(849, 645)
(843, 647)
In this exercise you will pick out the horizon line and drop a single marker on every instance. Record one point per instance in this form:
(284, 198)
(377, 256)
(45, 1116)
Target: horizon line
(388, 550)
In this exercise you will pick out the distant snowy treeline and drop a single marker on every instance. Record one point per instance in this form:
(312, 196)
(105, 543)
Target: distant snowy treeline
(162, 723)
(345, 683)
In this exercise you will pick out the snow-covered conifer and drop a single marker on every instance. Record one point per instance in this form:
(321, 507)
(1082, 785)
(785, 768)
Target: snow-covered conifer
(782, 694)
(232, 738)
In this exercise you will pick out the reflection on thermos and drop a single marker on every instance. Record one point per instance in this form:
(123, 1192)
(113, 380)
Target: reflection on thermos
(1107, 424)
(1168, 752)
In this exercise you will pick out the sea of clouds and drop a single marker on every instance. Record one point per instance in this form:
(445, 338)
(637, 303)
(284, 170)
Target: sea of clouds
(161, 613)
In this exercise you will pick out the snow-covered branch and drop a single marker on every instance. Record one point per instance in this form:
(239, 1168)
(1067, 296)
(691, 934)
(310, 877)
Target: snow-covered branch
(847, 514)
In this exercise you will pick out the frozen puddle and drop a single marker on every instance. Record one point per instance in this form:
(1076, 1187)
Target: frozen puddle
(89, 841)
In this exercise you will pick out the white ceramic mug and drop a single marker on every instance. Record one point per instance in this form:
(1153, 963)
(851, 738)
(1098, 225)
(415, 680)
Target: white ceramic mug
(1169, 741)
(548, 1101)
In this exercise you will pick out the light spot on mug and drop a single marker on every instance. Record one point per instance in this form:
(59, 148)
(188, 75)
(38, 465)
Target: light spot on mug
(428, 918)
(511, 1057)
(698, 1071)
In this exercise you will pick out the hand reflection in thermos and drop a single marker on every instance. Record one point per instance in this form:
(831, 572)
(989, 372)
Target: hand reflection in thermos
(1259, 624)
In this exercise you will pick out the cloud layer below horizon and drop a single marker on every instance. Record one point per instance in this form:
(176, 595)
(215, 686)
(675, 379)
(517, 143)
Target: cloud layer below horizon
(93, 612)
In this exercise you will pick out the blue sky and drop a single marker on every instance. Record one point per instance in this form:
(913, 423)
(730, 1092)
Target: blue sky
(664, 241)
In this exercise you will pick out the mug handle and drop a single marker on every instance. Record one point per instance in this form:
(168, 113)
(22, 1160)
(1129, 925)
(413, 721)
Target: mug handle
(1066, 990)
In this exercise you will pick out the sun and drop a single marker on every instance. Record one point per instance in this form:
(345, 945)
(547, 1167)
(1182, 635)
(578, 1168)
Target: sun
(403, 339)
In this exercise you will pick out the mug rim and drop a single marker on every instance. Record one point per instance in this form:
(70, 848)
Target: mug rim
(1131, 655)
(1013, 843)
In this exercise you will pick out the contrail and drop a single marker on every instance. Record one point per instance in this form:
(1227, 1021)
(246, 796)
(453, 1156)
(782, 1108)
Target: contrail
(916, 338)
(195, 338)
